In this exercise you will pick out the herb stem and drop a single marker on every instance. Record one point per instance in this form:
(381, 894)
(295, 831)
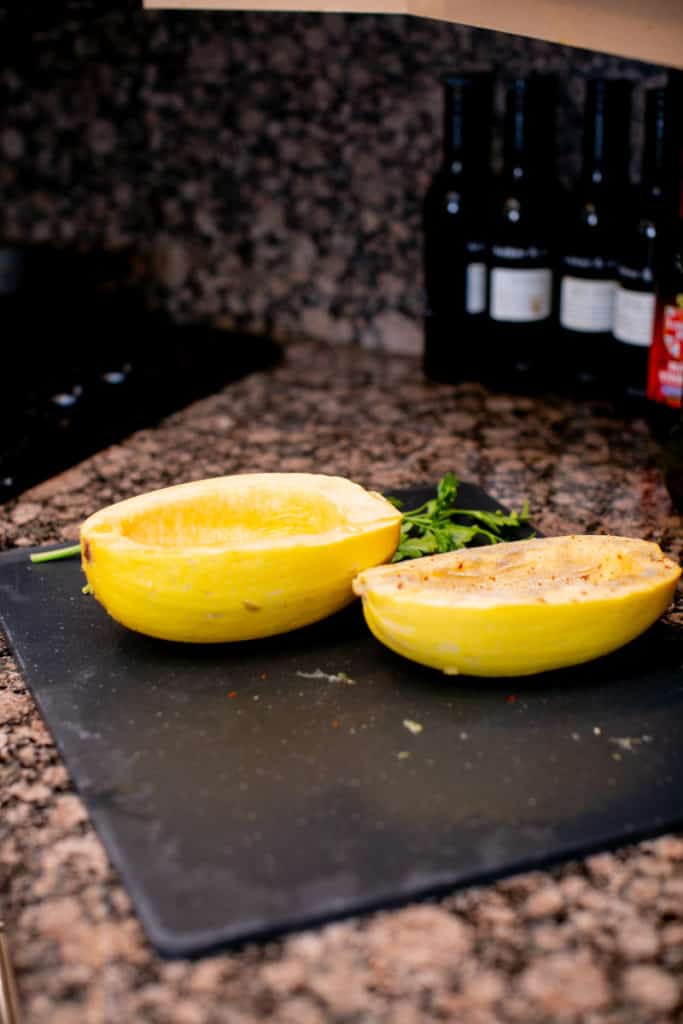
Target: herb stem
(53, 556)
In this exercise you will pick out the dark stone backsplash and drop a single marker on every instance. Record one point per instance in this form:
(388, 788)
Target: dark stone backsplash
(268, 167)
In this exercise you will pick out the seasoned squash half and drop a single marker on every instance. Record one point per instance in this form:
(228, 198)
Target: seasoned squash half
(519, 608)
(236, 557)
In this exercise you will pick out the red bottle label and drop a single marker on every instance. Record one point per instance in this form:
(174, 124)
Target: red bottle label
(665, 367)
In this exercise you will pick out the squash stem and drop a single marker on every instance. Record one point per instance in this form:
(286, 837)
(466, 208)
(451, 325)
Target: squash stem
(52, 556)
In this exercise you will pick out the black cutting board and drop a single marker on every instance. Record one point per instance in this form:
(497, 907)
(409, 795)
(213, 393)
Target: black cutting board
(247, 789)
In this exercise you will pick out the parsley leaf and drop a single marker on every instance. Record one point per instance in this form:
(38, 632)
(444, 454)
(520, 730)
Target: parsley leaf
(436, 526)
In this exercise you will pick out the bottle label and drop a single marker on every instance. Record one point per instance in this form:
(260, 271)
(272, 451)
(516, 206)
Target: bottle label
(475, 288)
(518, 252)
(592, 263)
(521, 295)
(643, 275)
(475, 248)
(586, 306)
(665, 365)
(634, 317)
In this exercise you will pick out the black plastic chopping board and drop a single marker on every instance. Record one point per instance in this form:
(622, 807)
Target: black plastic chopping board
(247, 789)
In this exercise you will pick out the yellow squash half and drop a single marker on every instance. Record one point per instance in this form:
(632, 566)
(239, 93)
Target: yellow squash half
(519, 608)
(236, 557)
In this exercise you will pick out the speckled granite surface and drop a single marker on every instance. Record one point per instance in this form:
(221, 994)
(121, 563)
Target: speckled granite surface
(269, 167)
(595, 941)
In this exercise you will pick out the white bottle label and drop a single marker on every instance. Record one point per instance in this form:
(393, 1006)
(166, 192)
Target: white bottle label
(521, 295)
(475, 288)
(586, 305)
(634, 317)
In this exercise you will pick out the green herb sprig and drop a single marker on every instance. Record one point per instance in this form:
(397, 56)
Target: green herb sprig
(432, 528)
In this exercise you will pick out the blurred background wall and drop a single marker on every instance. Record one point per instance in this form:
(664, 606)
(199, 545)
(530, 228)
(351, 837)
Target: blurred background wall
(267, 168)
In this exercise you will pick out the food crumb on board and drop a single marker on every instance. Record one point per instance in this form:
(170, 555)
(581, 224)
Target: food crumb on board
(411, 726)
(331, 677)
(343, 678)
(403, 754)
(629, 742)
(597, 731)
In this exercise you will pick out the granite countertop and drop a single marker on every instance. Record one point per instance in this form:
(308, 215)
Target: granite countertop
(598, 940)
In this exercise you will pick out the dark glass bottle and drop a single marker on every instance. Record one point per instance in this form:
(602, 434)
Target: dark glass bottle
(590, 238)
(455, 232)
(665, 364)
(520, 261)
(634, 307)
(665, 368)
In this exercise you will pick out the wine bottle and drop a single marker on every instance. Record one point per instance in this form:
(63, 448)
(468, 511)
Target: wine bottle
(454, 231)
(591, 238)
(665, 365)
(634, 308)
(665, 362)
(520, 261)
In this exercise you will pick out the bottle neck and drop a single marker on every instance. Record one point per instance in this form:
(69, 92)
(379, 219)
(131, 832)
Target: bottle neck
(517, 174)
(525, 137)
(456, 162)
(655, 154)
(662, 170)
(467, 121)
(606, 143)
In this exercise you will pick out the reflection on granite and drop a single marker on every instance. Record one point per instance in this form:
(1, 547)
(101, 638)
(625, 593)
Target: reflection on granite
(599, 940)
(270, 166)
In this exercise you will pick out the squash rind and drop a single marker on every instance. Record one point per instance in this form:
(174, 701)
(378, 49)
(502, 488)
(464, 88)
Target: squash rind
(213, 590)
(438, 612)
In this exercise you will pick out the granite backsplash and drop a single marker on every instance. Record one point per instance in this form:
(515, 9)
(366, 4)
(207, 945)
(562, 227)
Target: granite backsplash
(267, 167)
